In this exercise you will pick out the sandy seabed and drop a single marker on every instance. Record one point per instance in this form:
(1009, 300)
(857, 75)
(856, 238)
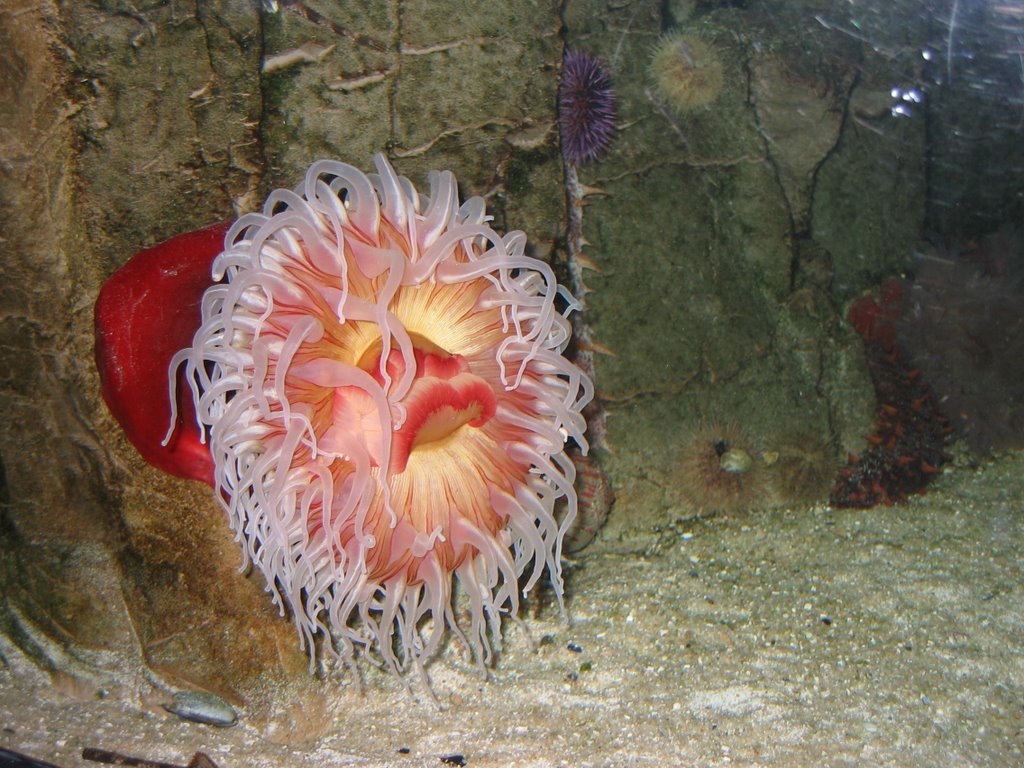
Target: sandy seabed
(800, 637)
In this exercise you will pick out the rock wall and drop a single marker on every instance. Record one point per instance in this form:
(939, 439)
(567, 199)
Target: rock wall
(730, 228)
(123, 127)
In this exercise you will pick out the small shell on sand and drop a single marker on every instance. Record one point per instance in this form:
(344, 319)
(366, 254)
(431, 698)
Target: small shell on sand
(202, 707)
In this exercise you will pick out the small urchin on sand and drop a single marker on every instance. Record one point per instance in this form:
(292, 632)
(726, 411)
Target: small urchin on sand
(802, 467)
(687, 72)
(720, 469)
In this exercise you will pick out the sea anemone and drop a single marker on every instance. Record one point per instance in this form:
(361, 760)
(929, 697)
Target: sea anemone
(380, 379)
(721, 470)
(586, 107)
(686, 71)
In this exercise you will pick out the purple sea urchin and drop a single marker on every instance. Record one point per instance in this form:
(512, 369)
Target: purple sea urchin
(586, 107)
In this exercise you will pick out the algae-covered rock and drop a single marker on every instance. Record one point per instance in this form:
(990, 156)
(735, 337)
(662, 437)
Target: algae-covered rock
(123, 126)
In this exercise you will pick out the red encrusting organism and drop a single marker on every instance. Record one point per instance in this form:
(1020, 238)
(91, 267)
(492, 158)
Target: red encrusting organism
(907, 447)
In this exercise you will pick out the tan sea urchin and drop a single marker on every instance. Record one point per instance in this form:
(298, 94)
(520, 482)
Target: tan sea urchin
(686, 71)
(801, 467)
(721, 470)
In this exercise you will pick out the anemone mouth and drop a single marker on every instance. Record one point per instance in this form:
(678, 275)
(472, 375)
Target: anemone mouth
(439, 408)
(444, 398)
(369, 358)
(382, 381)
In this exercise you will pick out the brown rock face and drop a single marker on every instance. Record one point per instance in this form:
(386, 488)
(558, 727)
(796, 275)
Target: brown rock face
(119, 130)
(111, 572)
